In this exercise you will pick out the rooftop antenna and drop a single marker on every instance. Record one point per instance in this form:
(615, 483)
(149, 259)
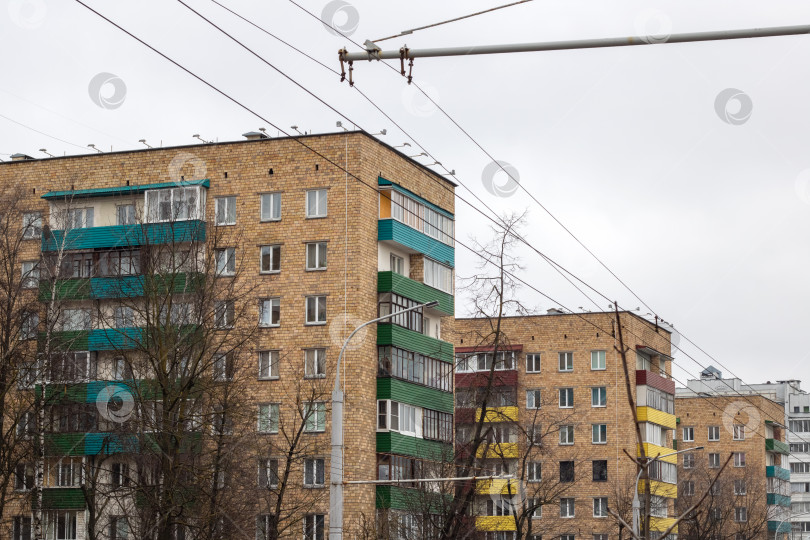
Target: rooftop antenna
(432, 164)
(143, 141)
(46, 152)
(383, 132)
(197, 136)
(93, 146)
(451, 173)
(417, 155)
(403, 145)
(296, 129)
(340, 125)
(263, 130)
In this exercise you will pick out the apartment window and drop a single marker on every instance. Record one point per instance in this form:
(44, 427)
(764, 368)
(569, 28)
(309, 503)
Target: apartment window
(68, 473)
(315, 416)
(268, 418)
(566, 361)
(688, 461)
(437, 426)
(567, 435)
(740, 514)
(397, 264)
(599, 396)
(533, 363)
(600, 536)
(226, 261)
(391, 303)
(315, 363)
(688, 488)
(21, 528)
(263, 526)
(533, 399)
(269, 312)
(800, 426)
(118, 263)
(714, 433)
(688, 434)
(71, 366)
(316, 256)
(268, 473)
(566, 398)
(800, 468)
(566, 471)
(313, 472)
(225, 210)
(29, 323)
(600, 470)
(316, 310)
(24, 477)
(26, 425)
(223, 366)
(714, 461)
(76, 319)
(420, 217)
(63, 524)
(739, 459)
(438, 276)
(30, 274)
(268, 364)
(598, 361)
(534, 435)
(566, 507)
(599, 433)
(178, 204)
(119, 475)
(803, 448)
(316, 203)
(500, 506)
(534, 509)
(414, 367)
(32, 225)
(76, 218)
(600, 507)
(269, 259)
(125, 214)
(271, 206)
(739, 432)
(534, 471)
(739, 487)
(224, 314)
(119, 528)
(313, 527)
(123, 317)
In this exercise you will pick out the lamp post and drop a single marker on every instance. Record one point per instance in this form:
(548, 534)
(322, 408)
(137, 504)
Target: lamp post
(336, 464)
(636, 502)
(790, 516)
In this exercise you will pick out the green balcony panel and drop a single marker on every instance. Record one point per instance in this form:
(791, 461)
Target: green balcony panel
(114, 339)
(63, 499)
(68, 340)
(775, 499)
(784, 526)
(396, 283)
(773, 471)
(121, 236)
(403, 498)
(65, 289)
(396, 443)
(391, 334)
(414, 394)
(774, 445)
(394, 231)
(65, 444)
(120, 191)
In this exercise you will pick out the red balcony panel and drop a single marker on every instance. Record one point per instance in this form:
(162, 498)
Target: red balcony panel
(480, 379)
(465, 415)
(650, 378)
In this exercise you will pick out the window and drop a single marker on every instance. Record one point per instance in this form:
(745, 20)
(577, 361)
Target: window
(68, 473)
(688, 488)
(598, 360)
(714, 433)
(268, 418)
(659, 400)
(714, 461)
(316, 203)
(32, 225)
(117, 263)
(600, 507)
(391, 303)
(566, 361)
(316, 256)
(800, 426)
(123, 317)
(226, 261)
(76, 218)
(566, 435)
(313, 527)
(225, 211)
(663, 471)
(438, 276)
(414, 367)
(600, 470)
(119, 528)
(739, 459)
(28, 325)
(125, 214)
(314, 363)
(566, 507)
(397, 264)
(176, 204)
(739, 432)
(533, 363)
(223, 366)
(62, 524)
(533, 399)
(30, 274)
(264, 524)
(269, 312)
(268, 364)
(437, 426)
(566, 471)
(71, 366)
(534, 471)
(566, 398)
(26, 425)
(598, 396)
(76, 319)
(600, 536)
(800, 468)
(270, 259)
(534, 508)
(688, 461)
(534, 435)
(313, 473)
(271, 206)
(500, 506)
(315, 416)
(21, 528)
(803, 448)
(268, 473)
(24, 477)
(316, 310)
(395, 416)
(119, 475)
(688, 434)
(739, 487)
(740, 514)
(599, 434)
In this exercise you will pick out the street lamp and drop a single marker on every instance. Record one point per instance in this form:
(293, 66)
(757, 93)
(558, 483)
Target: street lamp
(790, 517)
(636, 502)
(336, 465)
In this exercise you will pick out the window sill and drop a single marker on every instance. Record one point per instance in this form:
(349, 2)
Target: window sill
(598, 406)
(595, 442)
(316, 217)
(531, 372)
(565, 370)
(599, 369)
(314, 486)
(225, 224)
(269, 378)
(274, 220)
(267, 432)
(316, 269)
(315, 323)
(315, 376)
(269, 325)
(269, 272)
(566, 406)
(318, 432)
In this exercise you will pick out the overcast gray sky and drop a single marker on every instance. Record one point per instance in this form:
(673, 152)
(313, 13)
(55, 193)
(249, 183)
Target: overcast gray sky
(706, 218)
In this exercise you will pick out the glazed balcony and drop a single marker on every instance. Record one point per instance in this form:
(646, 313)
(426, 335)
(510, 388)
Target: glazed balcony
(123, 236)
(392, 282)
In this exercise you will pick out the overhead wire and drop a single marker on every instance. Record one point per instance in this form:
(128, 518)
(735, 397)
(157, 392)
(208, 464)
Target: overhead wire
(41, 132)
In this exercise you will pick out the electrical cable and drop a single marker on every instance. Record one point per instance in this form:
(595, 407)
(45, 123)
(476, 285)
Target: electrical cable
(41, 133)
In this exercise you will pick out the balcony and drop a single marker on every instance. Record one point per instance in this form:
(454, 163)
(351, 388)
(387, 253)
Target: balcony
(652, 450)
(480, 379)
(101, 288)
(774, 471)
(63, 499)
(121, 236)
(89, 444)
(497, 486)
(775, 445)
(775, 499)
(498, 414)
(495, 523)
(394, 231)
(391, 442)
(508, 450)
(391, 334)
(109, 339)
(650, 378)
(654, 416)
(662, 524)
(396, 283)
(414, 394)
(779, 526)
(662, 489)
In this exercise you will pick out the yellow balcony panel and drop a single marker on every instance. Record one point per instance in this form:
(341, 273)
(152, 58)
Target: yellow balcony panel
(662, 524)
(496, 486)
(495, 523)
(498, 414)
(648, 414)
(652, 450)
(498, 450)
(662, 489)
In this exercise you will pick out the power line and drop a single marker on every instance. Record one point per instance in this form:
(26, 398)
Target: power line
(40, 132)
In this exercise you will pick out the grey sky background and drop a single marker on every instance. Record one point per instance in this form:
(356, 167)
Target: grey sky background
(707, 221)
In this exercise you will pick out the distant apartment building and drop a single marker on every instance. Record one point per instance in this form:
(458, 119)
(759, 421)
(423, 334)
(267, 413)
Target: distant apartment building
(558, 419)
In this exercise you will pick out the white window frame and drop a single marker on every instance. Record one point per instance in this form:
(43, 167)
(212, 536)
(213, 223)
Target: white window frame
(688, 433)
(29, 325)
(267, 418)
(739, 459)
(319, 198)
(129, 216)
(266, 465)
(533, 364)
(533, 398)
(715, 431)
(225, 210)
(274, 250)
(268, 364)
(266, 306)
(738, 432)
(567, 507)
(740, 514)
(714, 460)
(599, 433)
(273, 201)
(567, 392)
(739, 487)
(600, 505)
(567, 435)
(688, 487)
(224, 314)
(225, 261)
(317, 299)
(566, 361)
(534, 471)
(176, 212)
(397, 264)
(316, 249)
(438, 276)
(314, 416)
(598, 392)
(312, 468)
(689, 461)
(315, 363)
(32, 225)
(30, 275)
(601, 360)
(69, 319)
